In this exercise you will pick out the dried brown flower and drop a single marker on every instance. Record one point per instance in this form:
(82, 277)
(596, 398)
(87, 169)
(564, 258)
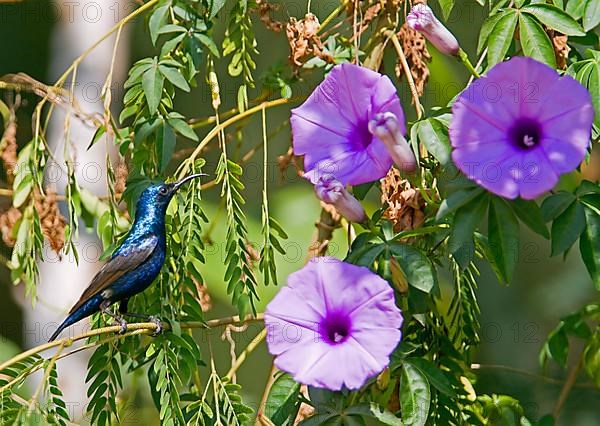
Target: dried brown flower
(203, 297)
(561, 48)
(9, 147)
(8, 219)
(52, 221)
(404, 204)
(417, 56)
(120, 180)
(305, 410)
(265, 9)
(304, 40)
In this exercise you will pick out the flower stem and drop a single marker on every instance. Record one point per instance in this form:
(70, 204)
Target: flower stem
(462, 56)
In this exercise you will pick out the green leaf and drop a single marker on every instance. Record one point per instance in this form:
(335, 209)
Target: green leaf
(435, 138)
(593, 86)
(486, 29)
(501, 37)
(558, 347)
(152, 83)
(447, 6)
(503, 228)
(591, 14)
(417, 268)
(208, 42)
(175, 77)
(466, 220)
(575, 8)
(282, 401)
(531, 215)
(183, 128)
(567, 227)
(589, 245)
(535, 41)
(215, 7)
(97, 135)
(555, 204)
(165, 145)
(415, 396)
(554, 18)
(456, 200)
(384, 415)
(434, 375)
(591, 357)
(157, 20)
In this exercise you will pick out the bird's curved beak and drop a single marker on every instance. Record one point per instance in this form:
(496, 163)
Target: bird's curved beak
(186, 179)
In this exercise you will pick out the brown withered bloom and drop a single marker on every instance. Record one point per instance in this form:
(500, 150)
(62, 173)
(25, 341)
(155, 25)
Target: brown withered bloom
(9, 147)
(8, 219)
(265, 10)
(52, 221)
(561, 48)
(417, 56)
(121, 174)
(304, 40)
(203, 296)
(404, 204)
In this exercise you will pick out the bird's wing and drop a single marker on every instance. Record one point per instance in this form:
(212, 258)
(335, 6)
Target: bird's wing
(118, 265)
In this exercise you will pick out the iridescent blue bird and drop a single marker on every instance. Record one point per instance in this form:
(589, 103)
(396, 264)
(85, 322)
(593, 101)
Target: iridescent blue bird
(135, 263)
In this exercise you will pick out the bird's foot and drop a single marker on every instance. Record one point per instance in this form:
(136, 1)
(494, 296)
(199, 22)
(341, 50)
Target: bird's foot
(159, 327)
(123, 325)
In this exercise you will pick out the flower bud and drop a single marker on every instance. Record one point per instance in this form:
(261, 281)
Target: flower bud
(386, 128)
(422, 19)
(331, 191)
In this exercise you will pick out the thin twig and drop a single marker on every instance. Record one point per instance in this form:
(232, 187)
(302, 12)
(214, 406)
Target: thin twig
(251, 346)
(566, 389)
(411, 83)
(148, 327)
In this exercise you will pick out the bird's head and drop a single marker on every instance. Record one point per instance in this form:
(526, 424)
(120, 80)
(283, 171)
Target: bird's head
(158, 196)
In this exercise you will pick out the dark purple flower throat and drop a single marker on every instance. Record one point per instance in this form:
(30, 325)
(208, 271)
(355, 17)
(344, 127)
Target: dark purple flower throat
(525, 133)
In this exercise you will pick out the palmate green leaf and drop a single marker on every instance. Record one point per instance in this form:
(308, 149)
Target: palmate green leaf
(415, 396)
(215, 7)
(501, 36)
(535, 40)
(531, 215)
(165, 144)
(503, 229)
(567, 227)
(554, 18)
(556, 204)
(589, 245)
(156, 21)
(591, 14)
(282, 402)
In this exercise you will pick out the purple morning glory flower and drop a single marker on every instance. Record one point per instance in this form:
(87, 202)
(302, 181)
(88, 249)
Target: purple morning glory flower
(516, 130)
(334, 325)
(331, 191)
(332, 128)
(422, 19)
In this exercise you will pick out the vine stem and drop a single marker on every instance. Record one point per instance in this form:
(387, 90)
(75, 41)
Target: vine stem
(566, 389)
(332, 15)
(411, 82)
(265, 395)
(462, 56)
(184, 168)
(144, 326)
(251, 346)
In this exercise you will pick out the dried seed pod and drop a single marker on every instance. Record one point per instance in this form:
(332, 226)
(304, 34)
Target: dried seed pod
(265, 10)
(9, 147)
(121, 174)
(561, 48)
(304, 40)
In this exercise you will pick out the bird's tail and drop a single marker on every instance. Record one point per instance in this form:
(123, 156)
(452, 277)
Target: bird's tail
(88, 308)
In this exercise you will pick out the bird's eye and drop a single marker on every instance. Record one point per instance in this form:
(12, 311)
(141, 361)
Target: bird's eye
(163, 190)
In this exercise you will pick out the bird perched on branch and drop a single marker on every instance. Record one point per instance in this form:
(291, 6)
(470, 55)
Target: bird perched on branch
(135, 263)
